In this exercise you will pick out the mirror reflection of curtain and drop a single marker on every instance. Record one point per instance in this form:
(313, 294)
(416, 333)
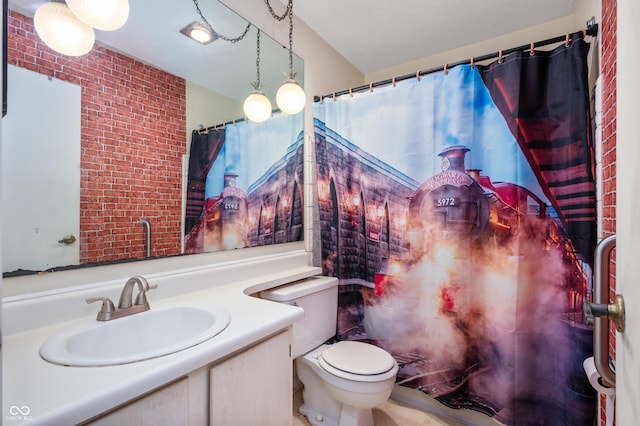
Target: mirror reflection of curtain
(278, 226)
(296, 219)
(482, 178)
(205, 148)
(243, 185)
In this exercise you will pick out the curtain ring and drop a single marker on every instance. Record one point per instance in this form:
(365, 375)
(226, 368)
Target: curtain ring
(500, 56)
(446, 71)
(350, 92)
(532, 50)
(567, 40)
(334, 96)
(418, 75)
(321, 99)
(473, 61)
(371, 87)
(393, 81)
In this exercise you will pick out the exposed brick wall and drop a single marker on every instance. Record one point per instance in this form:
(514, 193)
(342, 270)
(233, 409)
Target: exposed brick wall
(133, 132)
(608, 31)
(275, 202)
(354, 190)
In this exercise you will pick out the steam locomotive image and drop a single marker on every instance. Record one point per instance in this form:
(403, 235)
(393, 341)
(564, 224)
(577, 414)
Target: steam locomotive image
(462, 205)
(473, 218)
(471, 272)
(222, 225)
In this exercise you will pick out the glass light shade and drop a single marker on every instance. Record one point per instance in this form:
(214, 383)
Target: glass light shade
(257, 107)
(290, 97)
(59, 28)
(105, 15)
(200, 35)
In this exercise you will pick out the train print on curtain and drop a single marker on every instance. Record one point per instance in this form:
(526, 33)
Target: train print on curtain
(458, 212)
(245, 185)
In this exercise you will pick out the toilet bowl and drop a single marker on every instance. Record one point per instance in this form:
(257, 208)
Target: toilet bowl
(343, 382)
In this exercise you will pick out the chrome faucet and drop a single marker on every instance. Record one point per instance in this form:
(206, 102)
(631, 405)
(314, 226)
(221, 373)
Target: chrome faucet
(126, 305)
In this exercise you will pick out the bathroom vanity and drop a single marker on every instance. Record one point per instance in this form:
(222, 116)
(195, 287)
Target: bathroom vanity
(251, 387)
(243, 375)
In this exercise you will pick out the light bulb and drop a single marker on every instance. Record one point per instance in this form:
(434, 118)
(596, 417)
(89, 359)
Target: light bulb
(257, 107)
(62, 31)
(106, 15)
(290, 97)
(200, 35)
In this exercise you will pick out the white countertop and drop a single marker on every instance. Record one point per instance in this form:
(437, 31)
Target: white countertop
(56, 395)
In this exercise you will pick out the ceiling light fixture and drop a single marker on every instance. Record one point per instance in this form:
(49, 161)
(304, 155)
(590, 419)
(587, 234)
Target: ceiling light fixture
(290, 96)
(257, 106)
(105, 15)
(200, 33)
(62, 31)
(208, 28)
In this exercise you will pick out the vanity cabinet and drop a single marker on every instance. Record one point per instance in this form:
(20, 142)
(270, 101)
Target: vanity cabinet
(255, 386)
(166, 406)
(251, 387)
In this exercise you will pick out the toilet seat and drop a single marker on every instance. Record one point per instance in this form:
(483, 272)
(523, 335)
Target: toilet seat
(357, 361)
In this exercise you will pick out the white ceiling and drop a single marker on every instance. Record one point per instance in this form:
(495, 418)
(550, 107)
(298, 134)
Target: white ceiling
(372, 34)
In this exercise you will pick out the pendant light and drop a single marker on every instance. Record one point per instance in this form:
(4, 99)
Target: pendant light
(257, 107)
(290, 96)
(105, 15)
(62, 31)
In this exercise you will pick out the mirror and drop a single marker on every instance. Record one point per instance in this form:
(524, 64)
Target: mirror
(135, 99)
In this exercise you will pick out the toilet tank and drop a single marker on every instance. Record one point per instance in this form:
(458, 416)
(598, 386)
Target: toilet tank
(318, 296)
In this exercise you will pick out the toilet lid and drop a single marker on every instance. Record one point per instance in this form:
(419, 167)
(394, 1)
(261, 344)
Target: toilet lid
(358, 358)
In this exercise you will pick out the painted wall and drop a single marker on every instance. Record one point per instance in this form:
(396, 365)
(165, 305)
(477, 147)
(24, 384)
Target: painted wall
(132, 143)
(209, 108)
(517, 38)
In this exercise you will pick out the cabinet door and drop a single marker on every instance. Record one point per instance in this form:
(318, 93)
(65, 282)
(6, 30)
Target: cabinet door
(167, 406)
(254, 387)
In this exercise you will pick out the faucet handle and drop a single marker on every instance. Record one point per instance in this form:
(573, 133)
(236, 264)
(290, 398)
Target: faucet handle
(107, 307)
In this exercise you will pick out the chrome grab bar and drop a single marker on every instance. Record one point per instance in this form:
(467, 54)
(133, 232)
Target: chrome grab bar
(147, 228)
(600, 311)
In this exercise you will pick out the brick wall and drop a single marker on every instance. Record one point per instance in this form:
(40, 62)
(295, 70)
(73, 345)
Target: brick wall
(608, 31)
(363, 203)
(275, 202)
(133, 132)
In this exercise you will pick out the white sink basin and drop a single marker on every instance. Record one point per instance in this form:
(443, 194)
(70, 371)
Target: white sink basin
(141, 336)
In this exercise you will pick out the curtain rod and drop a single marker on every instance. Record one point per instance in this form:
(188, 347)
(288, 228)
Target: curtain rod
(591, 30)
(204, 130)
(201, 129)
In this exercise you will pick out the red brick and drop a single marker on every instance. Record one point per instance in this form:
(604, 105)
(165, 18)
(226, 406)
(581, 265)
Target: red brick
(123, 101)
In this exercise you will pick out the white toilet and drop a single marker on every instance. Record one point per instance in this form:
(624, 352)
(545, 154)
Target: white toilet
(342, 381)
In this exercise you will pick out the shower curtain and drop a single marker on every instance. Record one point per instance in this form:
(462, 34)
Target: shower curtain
(245, 185)
(458, 212)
